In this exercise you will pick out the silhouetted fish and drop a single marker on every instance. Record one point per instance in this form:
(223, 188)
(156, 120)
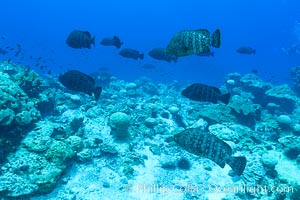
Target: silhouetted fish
(246, 50)
(254, 71)
(193, 42)
(205, 144)
(160, 54)
(80, 39)
(9, 48)
(18, 51)
(114, 41)
(201, 92)
(80, 82)
(131, 53)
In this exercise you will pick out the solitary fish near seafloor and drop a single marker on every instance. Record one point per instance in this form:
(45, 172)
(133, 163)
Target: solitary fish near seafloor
(202, 92)
(80, 82)
(205, 144)
(193, 42)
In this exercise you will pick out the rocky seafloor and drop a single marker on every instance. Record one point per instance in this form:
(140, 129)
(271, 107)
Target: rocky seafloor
(56, 144)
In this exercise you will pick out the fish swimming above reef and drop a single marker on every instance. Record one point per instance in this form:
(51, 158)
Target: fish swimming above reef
(202, 92)
(131, 53)
(18, 50)
(79, 82)
(246, 50)
(205, 144)
(114, 41)
(160, 54)
(80, 39)
(193, 42)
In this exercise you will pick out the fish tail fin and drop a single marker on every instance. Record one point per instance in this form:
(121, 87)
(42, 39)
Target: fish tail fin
(97, 92)
(119, 45)
(141, 56)
(237, 164)
(216, 39)
(225, 98)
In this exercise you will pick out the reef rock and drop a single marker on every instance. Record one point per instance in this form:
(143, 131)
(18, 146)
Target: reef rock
(245, 110)
(252, 83)
(217, 113)
(292, 146)
(119, 123)
(283, 96)
(229, 132)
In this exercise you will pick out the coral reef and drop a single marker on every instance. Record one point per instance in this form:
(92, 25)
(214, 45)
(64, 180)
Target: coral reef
(119, 123)
(295, 76)
(214, 113)
(59, 145)
(283, 96)
(246, 111)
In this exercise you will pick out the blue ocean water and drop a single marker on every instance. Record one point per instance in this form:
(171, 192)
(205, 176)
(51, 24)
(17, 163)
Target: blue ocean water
(135, 138)
(41, 28)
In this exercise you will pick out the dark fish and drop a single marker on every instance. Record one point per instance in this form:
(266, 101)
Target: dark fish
(205, 144)
(193, 42)
(115, 41)
(246, 50)
(80, 82)
(3, 52)
(160, 54)
(207, 54)
(9, 48)
(254, 71)
(201, 92)
(80, 39)
(18, 51)
(131, 53)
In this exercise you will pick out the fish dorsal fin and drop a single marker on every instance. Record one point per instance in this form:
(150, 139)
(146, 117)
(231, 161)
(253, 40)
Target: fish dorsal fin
(204, 32)
(116, 38)
(87, 33)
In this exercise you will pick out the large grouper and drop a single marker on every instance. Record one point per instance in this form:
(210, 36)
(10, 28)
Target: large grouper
(79, 82)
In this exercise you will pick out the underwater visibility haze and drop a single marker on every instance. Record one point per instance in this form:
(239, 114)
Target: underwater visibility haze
(150, 99)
